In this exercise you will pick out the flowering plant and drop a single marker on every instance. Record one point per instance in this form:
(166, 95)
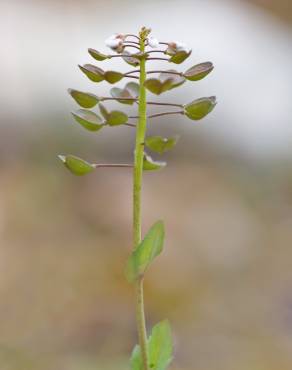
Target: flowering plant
(154, 351)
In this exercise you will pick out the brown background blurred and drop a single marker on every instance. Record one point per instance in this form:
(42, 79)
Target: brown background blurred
(225, 278)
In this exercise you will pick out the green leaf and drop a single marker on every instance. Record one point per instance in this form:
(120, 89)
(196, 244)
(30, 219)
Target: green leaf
(199, 71)
(88, 119)
(159, 144)
(199, 108)
(160, 346)
(136, 359)
(160, 349)
(150, 247)
(112, 77)
(116, 118)
(85, 100)
(97, 55)
(150, 165)
(77, 165)
(130, 59)
(94, 73)
(179, 57)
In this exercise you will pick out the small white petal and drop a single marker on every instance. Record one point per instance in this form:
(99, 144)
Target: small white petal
(112, 43)
(153, 42)
(181, 46)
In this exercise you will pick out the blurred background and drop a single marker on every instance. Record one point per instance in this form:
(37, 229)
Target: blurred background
(225, 277)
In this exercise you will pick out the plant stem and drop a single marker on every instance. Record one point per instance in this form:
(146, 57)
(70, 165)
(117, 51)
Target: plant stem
(149, 102)
(138, 171)
(157, 59)
(165, 114)
(162, 114)
(109, 165)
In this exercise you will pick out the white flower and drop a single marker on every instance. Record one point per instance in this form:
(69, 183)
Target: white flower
(153, 42)
(114, 41)
(180, 46)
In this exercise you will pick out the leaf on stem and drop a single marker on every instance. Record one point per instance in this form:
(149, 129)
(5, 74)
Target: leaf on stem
(94, 73)
(199, 71)
(160, 349)
(85, 100)
(159, 144)
(77, 165)
(89, 120)
(98, 55)
(199, 108)
(150, 247)
(160, 346)
(150, 165)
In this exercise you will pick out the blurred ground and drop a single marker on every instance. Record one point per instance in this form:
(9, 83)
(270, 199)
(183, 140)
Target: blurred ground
(225, 278)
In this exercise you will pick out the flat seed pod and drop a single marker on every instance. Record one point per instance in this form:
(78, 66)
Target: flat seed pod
(150, 165)
(159, 144)
(85, 100)
(116, 118)
(94, 73)
(103, 111)
(130, 59)
(118, 93)
(97, 55)
(179, 56)
(176, 79)
(156, 86)
(133, 89)
(89, 120)
(112, 77)
(199, 71)
(76, 165)
(199, 108)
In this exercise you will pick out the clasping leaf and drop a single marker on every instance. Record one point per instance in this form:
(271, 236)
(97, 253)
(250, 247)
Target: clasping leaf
(160, 349)
(150, 247)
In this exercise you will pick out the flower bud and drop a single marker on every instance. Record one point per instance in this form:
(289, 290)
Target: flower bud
(153, 42)
(115, 42)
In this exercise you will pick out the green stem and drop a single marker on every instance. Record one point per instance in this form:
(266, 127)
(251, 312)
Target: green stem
(138, 172)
